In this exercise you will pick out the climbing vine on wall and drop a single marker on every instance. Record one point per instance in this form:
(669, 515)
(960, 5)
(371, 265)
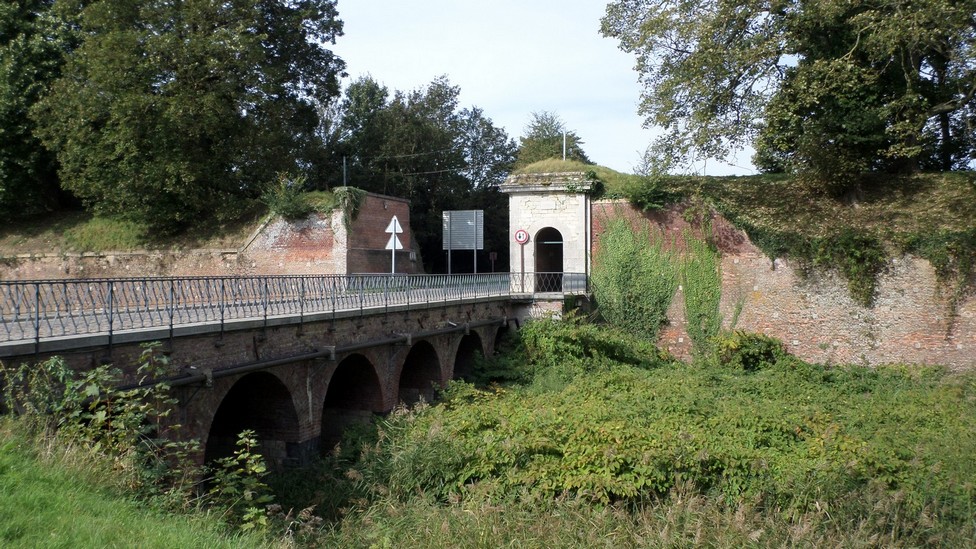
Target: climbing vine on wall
(349, 199)
(701, 280)
(634, 279)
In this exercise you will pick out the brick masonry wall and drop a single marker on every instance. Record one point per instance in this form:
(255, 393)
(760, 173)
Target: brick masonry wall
(318, 244)
(368, 237)
(814, 314)
(306, 383)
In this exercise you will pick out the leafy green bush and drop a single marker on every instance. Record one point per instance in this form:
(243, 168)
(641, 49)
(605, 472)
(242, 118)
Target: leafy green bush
(237, 483)
(748, 352)
(131, 430)
(557, 352)
(286, 197)
(860, 257)
(634, 279)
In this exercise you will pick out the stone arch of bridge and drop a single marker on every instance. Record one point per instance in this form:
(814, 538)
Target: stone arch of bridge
(469, 348)
(419, 374)
(354, 393)
(259, 401)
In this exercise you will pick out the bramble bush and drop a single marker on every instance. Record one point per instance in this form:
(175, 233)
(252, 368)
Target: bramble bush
(748, 352)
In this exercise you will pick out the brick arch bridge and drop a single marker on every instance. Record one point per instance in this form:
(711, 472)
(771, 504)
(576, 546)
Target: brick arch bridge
(300, 408)
(296, 359)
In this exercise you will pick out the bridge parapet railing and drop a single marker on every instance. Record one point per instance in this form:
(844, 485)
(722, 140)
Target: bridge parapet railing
(36, 310)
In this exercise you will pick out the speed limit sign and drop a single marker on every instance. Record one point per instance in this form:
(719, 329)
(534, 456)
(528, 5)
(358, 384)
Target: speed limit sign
(521, 236)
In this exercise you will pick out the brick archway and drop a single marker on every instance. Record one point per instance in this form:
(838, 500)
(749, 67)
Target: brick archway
(353, 395)
(420, 374)
(261, 402)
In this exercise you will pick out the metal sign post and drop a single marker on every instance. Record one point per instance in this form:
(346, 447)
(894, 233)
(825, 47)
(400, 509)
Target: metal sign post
(522, 237)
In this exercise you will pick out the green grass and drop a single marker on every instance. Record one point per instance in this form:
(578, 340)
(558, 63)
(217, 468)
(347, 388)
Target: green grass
(613, 181)
(886, 205)
(57, 497)
(604, 441)
(80, 232)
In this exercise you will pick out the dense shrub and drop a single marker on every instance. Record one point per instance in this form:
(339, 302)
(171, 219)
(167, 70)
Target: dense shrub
(748, 352)
(701, 279)
(286, 197)
(797, 439)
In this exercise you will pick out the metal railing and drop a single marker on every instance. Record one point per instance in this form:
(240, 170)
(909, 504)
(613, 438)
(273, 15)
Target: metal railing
(36, 310)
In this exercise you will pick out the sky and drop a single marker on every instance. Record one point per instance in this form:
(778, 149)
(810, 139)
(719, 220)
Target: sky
(511, 58)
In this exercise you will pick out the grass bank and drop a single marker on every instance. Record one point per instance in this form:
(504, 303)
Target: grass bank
(59, 496)
(579, 435)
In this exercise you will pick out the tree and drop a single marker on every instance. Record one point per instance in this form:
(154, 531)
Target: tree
(173, 111)
(828, 87)
(421, 146)
(32, 49)
(544, 139)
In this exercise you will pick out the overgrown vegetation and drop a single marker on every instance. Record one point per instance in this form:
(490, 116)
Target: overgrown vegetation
(129, 437)
(593, 434)
(607, 178)
(701, 280)
(79, 232)
(634, 278)
(929, 215)
(758, 448)
(57, 494)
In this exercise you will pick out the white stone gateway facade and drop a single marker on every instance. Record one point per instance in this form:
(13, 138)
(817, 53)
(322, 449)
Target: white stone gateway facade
(554, 210)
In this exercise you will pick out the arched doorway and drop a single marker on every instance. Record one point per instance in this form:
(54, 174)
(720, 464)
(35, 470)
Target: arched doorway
(420, 375)
(549, 260)
(262, 403)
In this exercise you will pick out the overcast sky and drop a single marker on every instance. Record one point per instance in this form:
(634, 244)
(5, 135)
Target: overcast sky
(510, 58)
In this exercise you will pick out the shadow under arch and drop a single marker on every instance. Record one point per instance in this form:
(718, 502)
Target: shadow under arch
(470, 349)
(353, 396)
(261, 402)
(548, 260)
(421, 374)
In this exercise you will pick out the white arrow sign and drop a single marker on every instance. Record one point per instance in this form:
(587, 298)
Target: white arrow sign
(394, 244)
(394, 226)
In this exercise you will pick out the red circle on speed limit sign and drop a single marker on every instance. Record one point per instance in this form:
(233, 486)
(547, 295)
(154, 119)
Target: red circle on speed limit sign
(521, 236)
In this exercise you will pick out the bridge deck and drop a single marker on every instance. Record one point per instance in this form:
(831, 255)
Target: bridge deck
(57, 315)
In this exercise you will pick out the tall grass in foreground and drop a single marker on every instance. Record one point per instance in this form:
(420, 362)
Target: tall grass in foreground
(604, 441)
(55, 494)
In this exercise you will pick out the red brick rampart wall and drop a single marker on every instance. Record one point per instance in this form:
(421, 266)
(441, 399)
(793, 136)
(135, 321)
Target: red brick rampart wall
(319, 244)
(814, 315)
(368, 238)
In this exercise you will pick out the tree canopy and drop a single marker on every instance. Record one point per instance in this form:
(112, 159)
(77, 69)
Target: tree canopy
(32, 46)
(421, 145)
(170, 110)
(544, 139)
(828, 87)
